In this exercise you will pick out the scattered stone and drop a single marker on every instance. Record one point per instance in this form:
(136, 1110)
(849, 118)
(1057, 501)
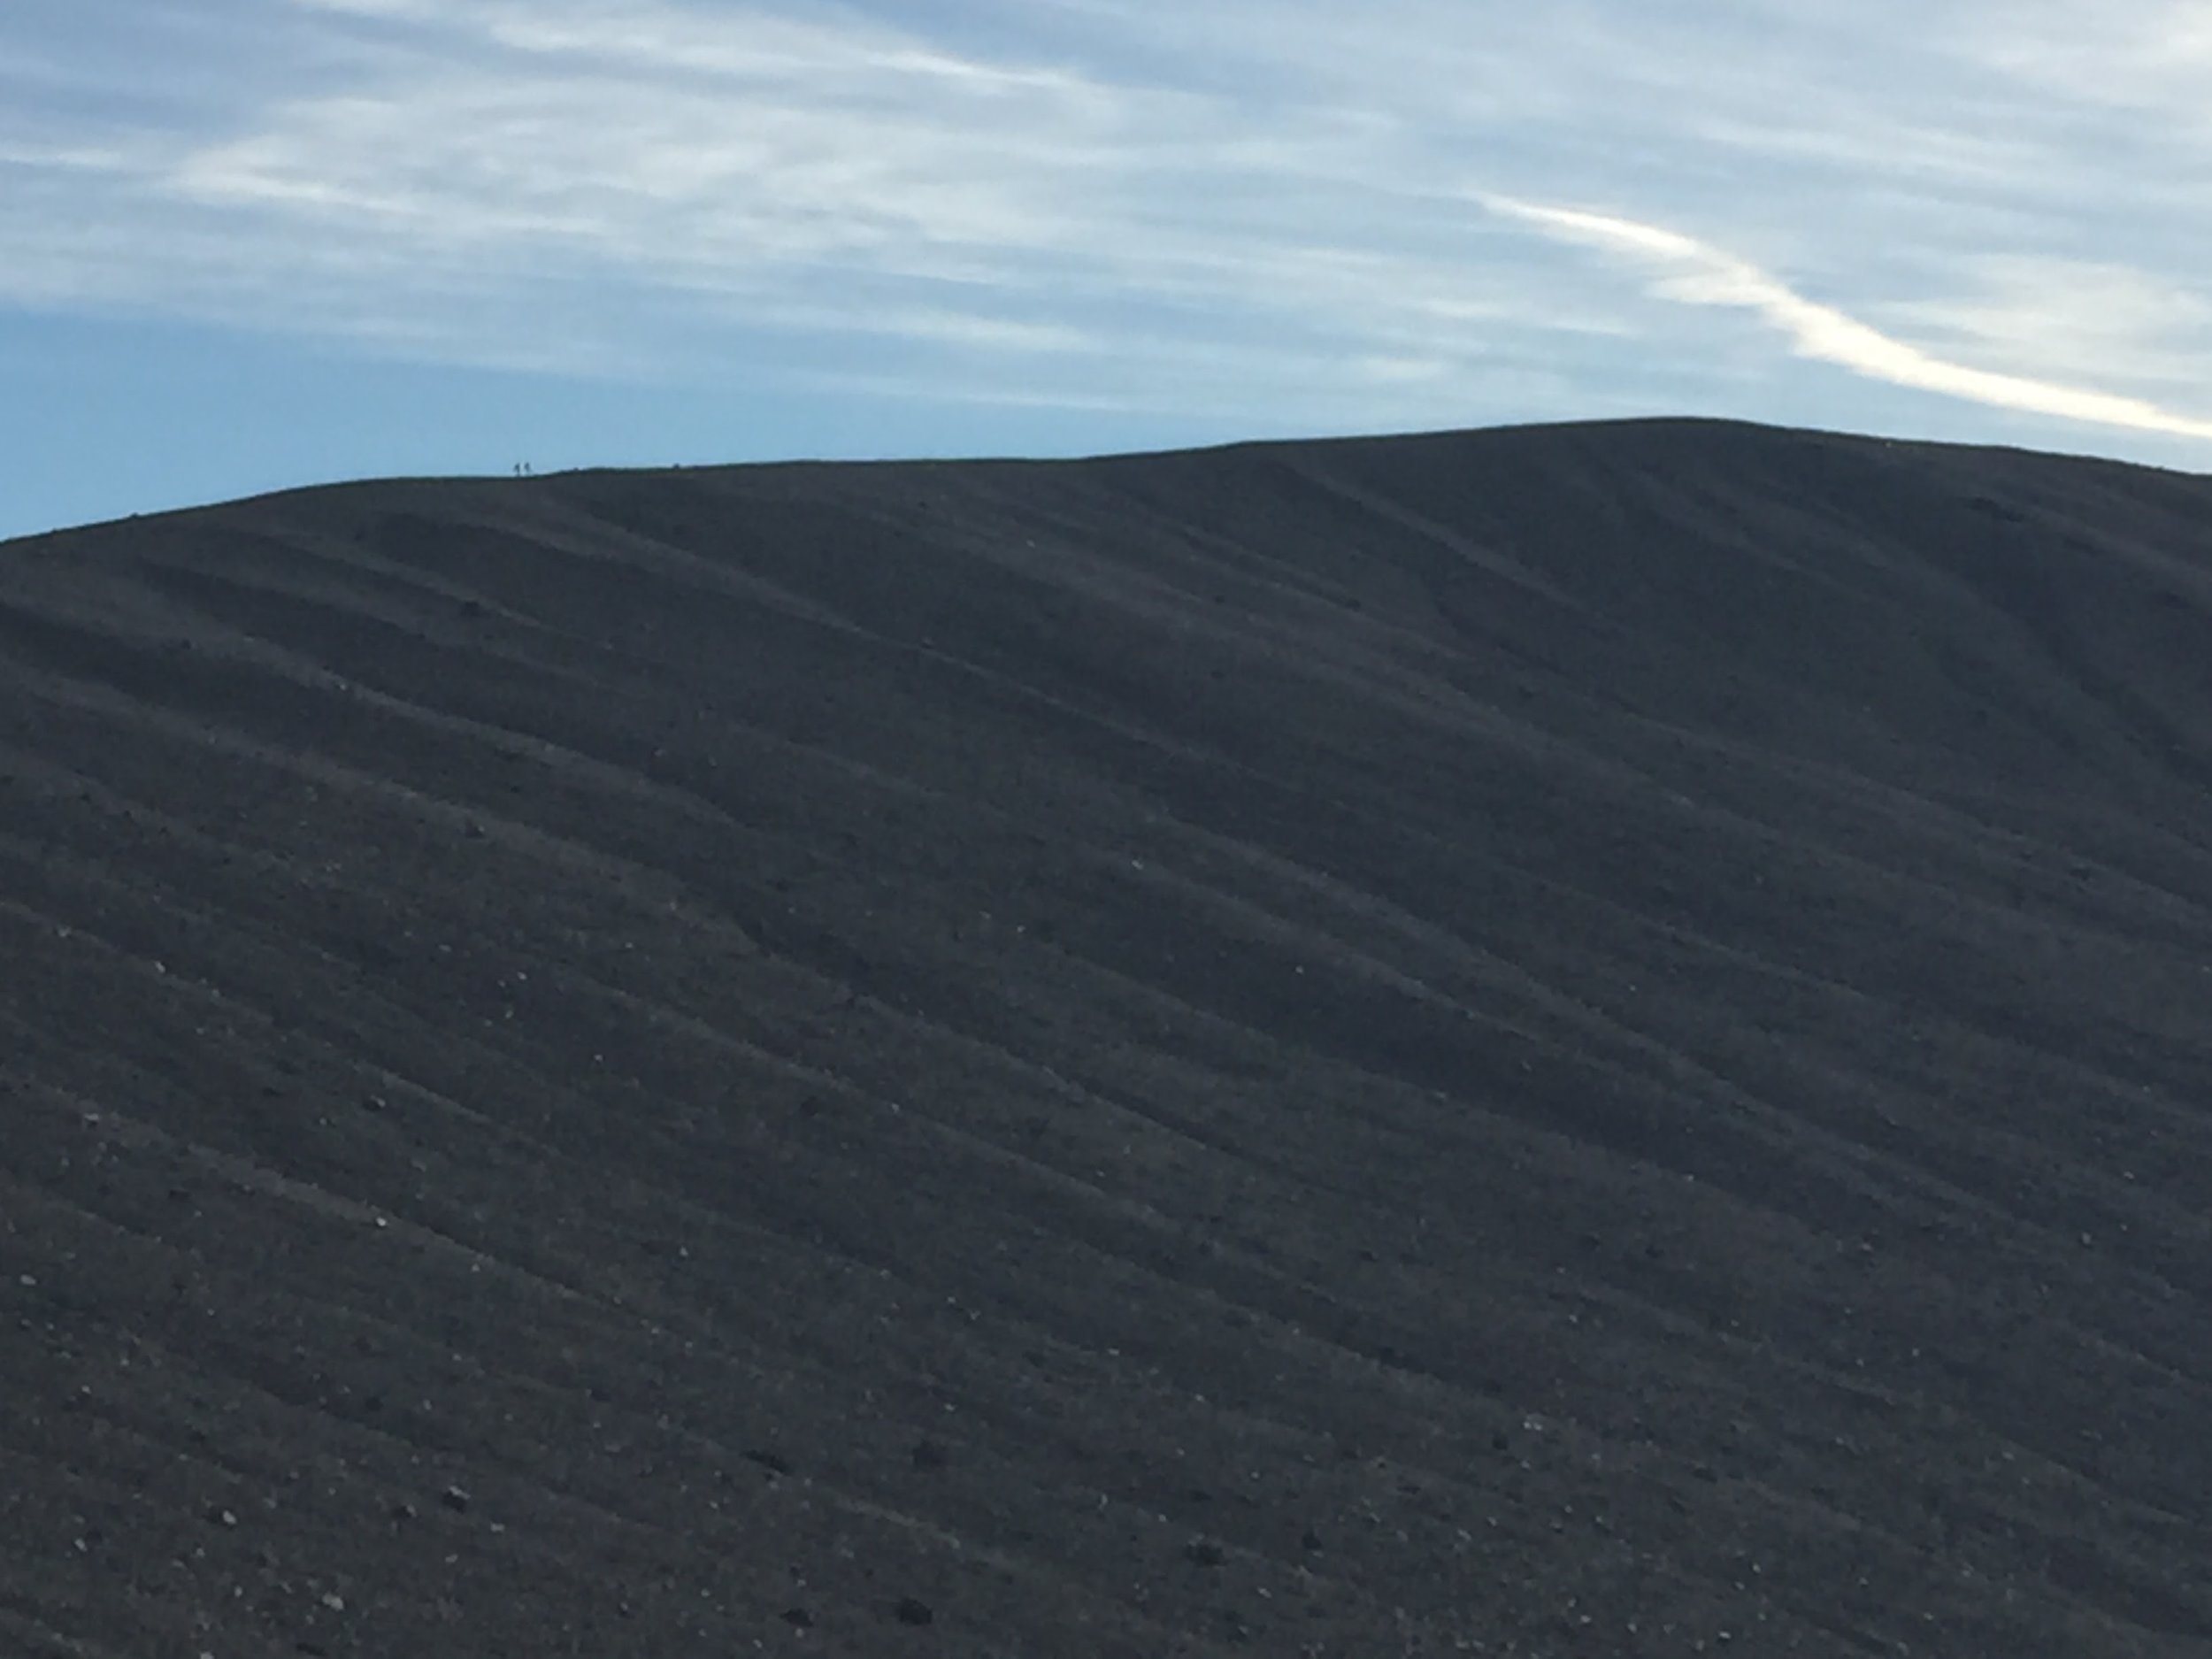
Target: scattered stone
(455, 1498)
(768, 1460)
(1310, 1540)
(909, 1611)
(798, 1618)
(1205, 1553)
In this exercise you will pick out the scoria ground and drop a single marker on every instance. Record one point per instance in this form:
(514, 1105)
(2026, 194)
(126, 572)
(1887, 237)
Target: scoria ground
(1574, 1041)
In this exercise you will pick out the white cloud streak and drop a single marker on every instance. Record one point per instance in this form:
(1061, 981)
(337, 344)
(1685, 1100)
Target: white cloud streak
(1693, 272)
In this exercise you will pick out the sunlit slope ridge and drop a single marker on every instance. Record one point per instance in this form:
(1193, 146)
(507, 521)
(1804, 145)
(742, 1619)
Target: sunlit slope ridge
(1574, 1039)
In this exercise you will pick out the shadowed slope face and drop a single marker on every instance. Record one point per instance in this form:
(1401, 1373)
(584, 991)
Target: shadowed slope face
(1583, 1040)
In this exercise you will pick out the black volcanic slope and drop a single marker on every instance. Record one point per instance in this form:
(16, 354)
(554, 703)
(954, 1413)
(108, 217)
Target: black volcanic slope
(1569, 1041)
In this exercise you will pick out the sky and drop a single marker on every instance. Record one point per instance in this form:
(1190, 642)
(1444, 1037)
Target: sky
(246, 245)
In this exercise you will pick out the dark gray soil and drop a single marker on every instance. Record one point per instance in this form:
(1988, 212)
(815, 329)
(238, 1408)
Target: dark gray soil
(1588, 1041)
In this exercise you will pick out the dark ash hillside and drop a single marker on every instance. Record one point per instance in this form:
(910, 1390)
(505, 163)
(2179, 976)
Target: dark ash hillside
(1569, 1041)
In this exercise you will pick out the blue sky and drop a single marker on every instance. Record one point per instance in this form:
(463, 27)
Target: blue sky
(247, 243)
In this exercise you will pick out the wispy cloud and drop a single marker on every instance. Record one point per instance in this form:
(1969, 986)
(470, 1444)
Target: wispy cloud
(1267, 207)
(1696, 273)
(2085, 318)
